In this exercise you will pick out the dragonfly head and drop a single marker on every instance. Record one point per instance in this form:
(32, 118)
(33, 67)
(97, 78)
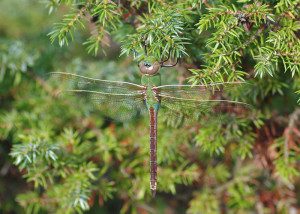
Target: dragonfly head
(149, 66)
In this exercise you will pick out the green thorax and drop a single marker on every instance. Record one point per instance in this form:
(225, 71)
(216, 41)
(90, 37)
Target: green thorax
(151, 81)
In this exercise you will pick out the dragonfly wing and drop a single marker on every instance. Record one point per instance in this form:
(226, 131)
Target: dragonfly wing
(177, 111)
(77, 82)
(117, 100)
(121, 107)
(198, 92)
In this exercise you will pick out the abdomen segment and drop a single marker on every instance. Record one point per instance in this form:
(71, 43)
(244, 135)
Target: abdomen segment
(153, 150)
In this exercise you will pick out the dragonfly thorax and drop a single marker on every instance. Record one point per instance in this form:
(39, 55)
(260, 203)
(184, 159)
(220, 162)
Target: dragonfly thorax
(150, 82)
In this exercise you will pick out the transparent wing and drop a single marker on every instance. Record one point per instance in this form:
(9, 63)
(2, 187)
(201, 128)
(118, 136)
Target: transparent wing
(121, 107)
(77, 82)
(197, 92)
(185, 102)
(176, 111)
(116, 100)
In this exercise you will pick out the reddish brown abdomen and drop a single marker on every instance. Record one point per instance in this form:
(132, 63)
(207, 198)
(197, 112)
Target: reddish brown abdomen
(153, 150)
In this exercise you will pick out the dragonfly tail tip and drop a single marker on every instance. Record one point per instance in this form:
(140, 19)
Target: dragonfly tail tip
(153, 192)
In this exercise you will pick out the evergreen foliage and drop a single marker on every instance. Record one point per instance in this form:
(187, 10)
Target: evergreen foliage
(61, 155)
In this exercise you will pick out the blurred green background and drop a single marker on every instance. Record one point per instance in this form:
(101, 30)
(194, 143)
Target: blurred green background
(71, 159)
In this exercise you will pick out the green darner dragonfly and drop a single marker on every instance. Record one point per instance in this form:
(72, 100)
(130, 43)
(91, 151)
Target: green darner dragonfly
(123, 100)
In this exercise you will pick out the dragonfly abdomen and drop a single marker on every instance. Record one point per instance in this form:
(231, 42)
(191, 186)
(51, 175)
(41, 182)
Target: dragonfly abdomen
(153, 150)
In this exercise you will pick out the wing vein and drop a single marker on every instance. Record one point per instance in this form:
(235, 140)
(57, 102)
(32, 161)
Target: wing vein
(97, 80)
(206, 86)
(202, 101)
(104, 93)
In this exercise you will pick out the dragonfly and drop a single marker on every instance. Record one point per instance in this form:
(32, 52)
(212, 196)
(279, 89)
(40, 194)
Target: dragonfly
(124, 99)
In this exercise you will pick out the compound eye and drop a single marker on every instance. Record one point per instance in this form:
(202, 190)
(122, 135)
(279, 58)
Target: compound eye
(147, 64)
(149, 68)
